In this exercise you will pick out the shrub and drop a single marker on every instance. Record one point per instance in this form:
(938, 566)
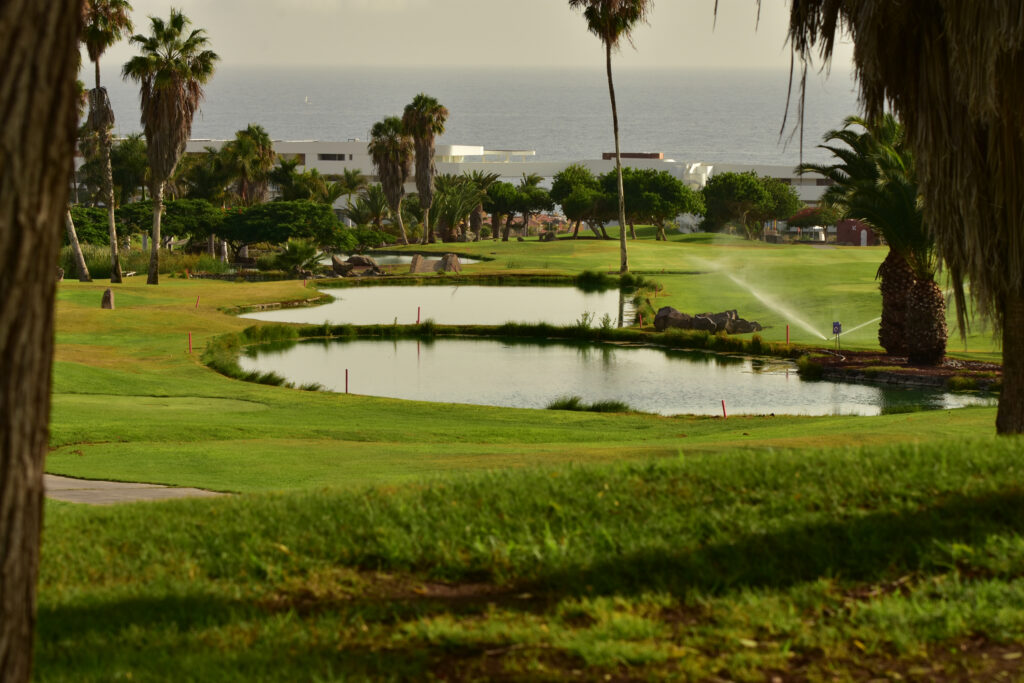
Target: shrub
(576, 403)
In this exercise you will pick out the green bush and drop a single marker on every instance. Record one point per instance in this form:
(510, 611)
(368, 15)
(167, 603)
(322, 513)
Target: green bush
(576, 403)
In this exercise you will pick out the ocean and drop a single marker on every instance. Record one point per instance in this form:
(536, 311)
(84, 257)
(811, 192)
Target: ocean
(723, 116)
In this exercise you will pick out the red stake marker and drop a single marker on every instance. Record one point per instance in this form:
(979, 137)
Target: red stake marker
(724, 414)
(417, 315)
(787, 335)
(197, 302)
(346, 380)
(190, 342)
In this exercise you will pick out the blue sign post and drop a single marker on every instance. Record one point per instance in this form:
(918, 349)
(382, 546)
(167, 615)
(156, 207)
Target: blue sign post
(837, 330)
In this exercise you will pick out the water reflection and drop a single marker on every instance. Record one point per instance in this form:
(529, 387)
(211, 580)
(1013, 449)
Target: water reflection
(527, 374)
(458, 305)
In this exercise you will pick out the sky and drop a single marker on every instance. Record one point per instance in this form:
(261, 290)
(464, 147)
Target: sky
(483, 33)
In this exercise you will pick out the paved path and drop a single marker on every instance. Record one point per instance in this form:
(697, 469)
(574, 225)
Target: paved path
(111, 492)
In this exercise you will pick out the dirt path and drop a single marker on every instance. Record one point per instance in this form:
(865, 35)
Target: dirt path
(111, 492)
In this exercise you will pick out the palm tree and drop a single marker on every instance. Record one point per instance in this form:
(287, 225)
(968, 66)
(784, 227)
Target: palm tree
(171, 71)
(105, 23)
(250, 158)
(611, 21)
(482, 181)
(424, 119)
(391, 151)
(351, 181)
(875, 181)
(952, 74)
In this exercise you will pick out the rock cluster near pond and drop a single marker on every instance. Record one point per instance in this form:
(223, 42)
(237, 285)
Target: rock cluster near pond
(726, 321)
(355, 266)
(449, 263)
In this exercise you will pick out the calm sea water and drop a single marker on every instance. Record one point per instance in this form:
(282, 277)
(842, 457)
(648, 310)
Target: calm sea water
(690, 115)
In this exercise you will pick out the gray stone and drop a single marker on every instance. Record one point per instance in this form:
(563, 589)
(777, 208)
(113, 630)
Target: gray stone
(667, 317)
(108, 299)
(741, 326)
(702, 322)
(450, 264)
(358, 260)
(338, 266)
(420, 265)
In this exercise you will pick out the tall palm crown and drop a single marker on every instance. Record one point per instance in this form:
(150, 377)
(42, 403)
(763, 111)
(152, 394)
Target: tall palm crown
(171, 71)
(250, 157)
(105, 22)
(391, 150)
(611, 21)
(951, 70)
(424, 120)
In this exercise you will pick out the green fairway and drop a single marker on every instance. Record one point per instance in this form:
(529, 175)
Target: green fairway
(382, 538)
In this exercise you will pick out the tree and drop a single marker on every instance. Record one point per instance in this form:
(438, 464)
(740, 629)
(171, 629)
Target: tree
(351, 182)
(811, 216)
(952, 74)
(424, 119)
(481, 180)
(248, 159)
(278, 222)
(501, 202)
(574, 189)
(611, 21)
(37, 139)
(106, 22)
(782, 203)
(207, 175)
(391, 150)
(532, 199)
(734, 198)
(171, 71)
(874, 180)
(129, 168)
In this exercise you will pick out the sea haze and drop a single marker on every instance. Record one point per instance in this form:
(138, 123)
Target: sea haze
(723, 116)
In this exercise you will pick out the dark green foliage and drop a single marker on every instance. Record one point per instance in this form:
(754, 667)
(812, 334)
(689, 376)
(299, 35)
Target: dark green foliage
(91, 225)
(813, 215)
(653, 196)
(595, 281)
(576, 403)
(808, 368)
(278, 222)
(194, 217)
(746, 200)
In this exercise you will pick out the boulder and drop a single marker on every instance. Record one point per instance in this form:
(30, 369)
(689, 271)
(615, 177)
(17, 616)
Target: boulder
(450, 264)
(339, 267)
(420, 265)
(741, 326)
(667, 317)
(360, 261)
(108, 299)
(703, 322)
(548, 236)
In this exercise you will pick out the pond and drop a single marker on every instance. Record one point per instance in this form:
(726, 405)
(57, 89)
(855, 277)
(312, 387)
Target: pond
(458, 305)
(530, 375)
(399, 259)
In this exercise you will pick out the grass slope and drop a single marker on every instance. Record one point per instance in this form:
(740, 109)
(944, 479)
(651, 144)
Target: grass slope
(392, 539)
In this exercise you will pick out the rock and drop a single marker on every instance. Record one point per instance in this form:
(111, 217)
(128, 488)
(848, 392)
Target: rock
(359, 260)
(108, 299)
(338, 266)
(60, 274)
(741, 326)
(450, 264)
(521, 238)
(420, 265)
(548, 236)
(721, 320)
(667, 317)
(702, 322)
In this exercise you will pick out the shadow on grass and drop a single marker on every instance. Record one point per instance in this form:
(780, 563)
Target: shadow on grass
(868, 548)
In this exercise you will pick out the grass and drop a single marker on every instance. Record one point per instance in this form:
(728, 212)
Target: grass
(811, 563)
(377, 538)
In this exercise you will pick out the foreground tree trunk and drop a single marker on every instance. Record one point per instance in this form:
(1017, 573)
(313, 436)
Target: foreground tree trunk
(154, 255)
(926, 324)
(39, 48)
(76, 248)
(1010, 415)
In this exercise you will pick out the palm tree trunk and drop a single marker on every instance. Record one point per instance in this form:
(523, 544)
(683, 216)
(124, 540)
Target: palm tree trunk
(508, 226)
(76, 248)
(401, 223)
(926, 323)
(425, 229)
(576, 230)
(154, 258)
(108, 190)
(1010, 415)
(624, 260)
